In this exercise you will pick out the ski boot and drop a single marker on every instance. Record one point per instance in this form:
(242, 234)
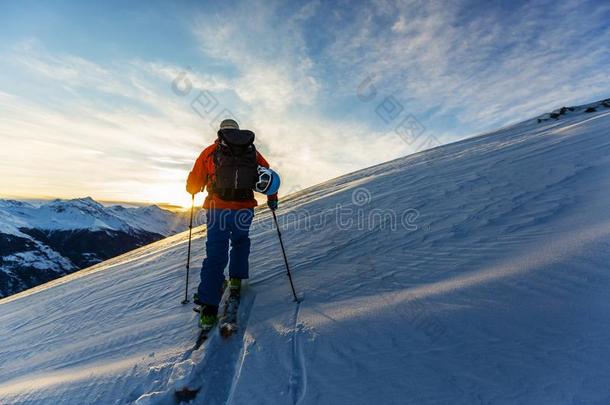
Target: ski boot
(234, 296)
(208, 316)
(228, 321)
(234, 287)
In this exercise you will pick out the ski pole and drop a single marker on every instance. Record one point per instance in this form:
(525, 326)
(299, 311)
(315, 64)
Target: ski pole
(188, 260)
(279, 235)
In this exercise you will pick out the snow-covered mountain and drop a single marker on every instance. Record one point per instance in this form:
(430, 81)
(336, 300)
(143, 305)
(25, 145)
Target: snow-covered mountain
(476, 272)
(41, 242)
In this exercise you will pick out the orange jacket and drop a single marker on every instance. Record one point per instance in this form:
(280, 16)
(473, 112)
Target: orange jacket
(203, 174)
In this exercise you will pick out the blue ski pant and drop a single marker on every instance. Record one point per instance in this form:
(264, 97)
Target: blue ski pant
(224, 225)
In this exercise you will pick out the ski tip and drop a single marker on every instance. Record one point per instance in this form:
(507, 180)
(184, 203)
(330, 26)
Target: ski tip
(186, 394)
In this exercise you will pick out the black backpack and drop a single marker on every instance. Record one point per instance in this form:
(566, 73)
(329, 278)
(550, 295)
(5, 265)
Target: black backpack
(235, 164)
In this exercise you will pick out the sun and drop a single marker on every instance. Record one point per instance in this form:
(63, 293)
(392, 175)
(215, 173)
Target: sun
(172, 196)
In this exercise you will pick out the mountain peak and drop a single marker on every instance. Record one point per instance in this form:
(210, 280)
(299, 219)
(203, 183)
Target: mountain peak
(14, 204)
(85, 201)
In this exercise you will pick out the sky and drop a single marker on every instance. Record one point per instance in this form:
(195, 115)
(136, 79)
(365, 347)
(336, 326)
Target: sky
(116, 99)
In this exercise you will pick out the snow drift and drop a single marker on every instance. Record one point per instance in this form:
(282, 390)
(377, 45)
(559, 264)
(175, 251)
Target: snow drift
(476, 272)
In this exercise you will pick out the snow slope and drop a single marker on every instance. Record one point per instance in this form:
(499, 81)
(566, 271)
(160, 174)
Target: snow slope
(476, 272)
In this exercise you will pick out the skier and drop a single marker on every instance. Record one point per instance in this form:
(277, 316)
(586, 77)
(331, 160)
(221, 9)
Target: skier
(230, 169)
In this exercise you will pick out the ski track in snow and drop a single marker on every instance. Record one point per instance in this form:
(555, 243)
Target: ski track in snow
(226, 360)
(298, 376)
(242, 358)
(213, 369)
(499, 296)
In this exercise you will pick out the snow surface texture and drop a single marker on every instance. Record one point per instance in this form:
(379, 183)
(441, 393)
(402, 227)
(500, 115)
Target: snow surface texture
(494, 289)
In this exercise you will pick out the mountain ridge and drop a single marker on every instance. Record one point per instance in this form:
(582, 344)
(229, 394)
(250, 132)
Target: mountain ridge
(47, 240)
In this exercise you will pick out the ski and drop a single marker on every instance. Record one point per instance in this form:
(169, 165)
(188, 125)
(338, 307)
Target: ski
(227, 325)
(228, 321)
(202, 336)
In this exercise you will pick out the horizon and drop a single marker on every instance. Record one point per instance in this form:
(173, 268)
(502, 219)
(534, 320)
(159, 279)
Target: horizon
(115, 101)
(106, 203)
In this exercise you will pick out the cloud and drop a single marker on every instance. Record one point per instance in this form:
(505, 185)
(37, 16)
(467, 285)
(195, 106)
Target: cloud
(268, 51)
(120, 129)
(488, 65)
(279, 88)
(478, 68)
(113, 132)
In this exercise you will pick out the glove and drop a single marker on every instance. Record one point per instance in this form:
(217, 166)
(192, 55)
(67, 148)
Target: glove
(191, 190)
(272, 204)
